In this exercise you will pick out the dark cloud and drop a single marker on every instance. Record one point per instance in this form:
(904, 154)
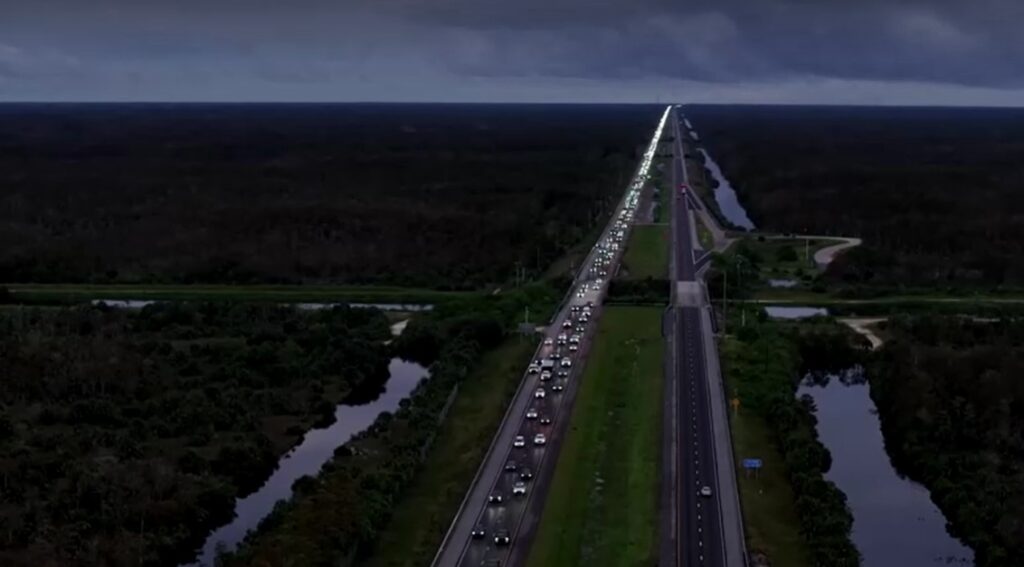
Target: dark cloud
(389, 49)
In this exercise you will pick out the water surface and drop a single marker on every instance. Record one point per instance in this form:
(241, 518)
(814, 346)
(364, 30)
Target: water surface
(794, 311)
(309, 456)
(895, 523)
(725, 196)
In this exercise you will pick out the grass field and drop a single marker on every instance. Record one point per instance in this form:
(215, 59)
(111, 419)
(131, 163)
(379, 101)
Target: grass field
(769, 512)
(647, 252)
(424, 512)
(602, 507)
(707, 242)
(69, 293)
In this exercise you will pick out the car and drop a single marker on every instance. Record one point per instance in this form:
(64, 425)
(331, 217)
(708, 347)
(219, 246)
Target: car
(519, 488)
(539, 394)
(495, 498)
(502, 537)
(531, 413)
(563, 373)
(519, 441)
(525, 474)
(566, 362)
(562, 338)
(545, 375)
(545, 420)
(581, 328)
(511, 466)
(567, 323)
(574, 347)
(581, 293)
(557, 387)
(533, 368)
(705, 491)
(575, 339)
(548, 342)
(541, 439)
(574, 308)
(478, 532)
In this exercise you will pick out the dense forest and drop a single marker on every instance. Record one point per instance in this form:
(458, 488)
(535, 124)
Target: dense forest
(950, 395)
(441, 196)
(934, 193)
(126, 435)
(337, 517)
(764, 365)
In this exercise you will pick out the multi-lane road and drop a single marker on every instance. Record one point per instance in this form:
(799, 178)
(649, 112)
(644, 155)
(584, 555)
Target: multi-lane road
(700, 523)
(500, 513)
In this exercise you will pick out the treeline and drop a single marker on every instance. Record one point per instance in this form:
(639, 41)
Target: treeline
(438, 196)
(951, 401)
(934, 193)
(645, 291)
(765, 368)
(336, 518)
(125, 436)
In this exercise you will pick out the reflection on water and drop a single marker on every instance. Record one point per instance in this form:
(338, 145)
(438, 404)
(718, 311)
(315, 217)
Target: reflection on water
(895, 522)
(359, 411)
(725, 196)
(794, 312)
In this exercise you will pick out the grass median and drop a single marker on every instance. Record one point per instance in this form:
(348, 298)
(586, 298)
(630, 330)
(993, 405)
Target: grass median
(602, 506)
(423, 514)
(647, 252)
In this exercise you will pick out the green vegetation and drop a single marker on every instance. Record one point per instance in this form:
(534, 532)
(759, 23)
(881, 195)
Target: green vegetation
(602, 506)
(424, 511)
(126, 435)
(646, 253)
(341, 515)
(934, 192)
(437, 196)
(704, 237)
(77, 293)
(949, 394)
(762, 366)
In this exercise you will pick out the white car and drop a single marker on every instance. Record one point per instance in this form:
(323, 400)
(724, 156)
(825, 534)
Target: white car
(531, 413)
(548, 342)
(519, 488)
(540, 394)
(574, 340)
(519, 441)
(545, 375)
(540, 439)
(574, 347)
(705, 491)
(566, 362)
(533, 368)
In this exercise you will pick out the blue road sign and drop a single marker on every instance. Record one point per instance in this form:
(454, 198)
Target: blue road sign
(751, 463)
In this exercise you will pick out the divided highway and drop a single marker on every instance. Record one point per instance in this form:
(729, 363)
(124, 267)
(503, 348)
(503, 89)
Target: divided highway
(701, 523)
(500, 513)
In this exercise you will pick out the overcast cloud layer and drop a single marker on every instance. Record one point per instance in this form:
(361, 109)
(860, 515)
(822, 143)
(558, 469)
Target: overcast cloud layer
(827, 51)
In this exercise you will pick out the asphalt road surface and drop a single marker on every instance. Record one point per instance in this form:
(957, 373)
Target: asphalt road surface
(697, 445)
(490, 508)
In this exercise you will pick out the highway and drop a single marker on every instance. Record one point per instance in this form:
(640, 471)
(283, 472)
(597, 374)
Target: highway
(696, 529)
(477, 533)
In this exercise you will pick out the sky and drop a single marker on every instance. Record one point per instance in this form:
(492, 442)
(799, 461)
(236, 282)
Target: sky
(929, 52)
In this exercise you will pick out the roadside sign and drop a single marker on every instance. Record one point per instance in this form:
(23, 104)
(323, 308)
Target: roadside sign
(752, 463)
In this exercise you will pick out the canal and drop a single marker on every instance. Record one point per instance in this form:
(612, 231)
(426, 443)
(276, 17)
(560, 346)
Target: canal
(895, 522)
